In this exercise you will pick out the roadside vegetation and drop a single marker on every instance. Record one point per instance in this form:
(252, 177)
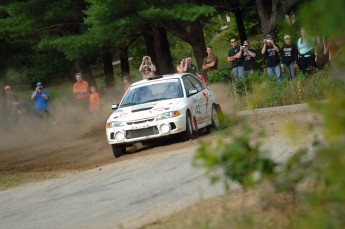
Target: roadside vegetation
(307, 191)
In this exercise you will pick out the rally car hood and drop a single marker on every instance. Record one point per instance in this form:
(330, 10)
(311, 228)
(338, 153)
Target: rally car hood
(144, 111)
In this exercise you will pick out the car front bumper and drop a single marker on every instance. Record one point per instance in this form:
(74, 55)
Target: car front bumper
(145, 130)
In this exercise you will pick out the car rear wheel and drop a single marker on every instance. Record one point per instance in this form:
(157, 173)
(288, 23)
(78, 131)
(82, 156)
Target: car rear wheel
(118, 150)
(215, 118)
(189, 133)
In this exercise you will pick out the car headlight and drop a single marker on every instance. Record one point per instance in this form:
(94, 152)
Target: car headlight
(169, 114)
(114, 124)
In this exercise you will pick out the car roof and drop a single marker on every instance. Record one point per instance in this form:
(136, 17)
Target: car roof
(160, 77)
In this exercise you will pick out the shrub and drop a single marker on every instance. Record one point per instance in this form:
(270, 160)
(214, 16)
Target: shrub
(220, 76)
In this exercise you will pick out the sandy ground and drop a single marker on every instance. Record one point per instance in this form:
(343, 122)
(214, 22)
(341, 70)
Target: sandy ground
(75, 144)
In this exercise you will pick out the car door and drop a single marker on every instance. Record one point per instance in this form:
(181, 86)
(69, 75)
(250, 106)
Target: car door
(202, 96)
(194, 89)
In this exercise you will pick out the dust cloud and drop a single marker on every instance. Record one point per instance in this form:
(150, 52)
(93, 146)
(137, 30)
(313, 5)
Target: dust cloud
(66, 121)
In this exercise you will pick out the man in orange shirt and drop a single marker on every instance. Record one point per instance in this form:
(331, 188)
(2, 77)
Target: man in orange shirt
(81, 90)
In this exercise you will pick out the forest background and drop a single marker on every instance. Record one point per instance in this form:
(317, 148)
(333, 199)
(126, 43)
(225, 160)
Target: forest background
(49, 41)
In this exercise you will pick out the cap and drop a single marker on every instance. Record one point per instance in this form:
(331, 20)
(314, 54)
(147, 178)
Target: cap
(39, 84)
(286, 37)
(245, 43)
(269, 36)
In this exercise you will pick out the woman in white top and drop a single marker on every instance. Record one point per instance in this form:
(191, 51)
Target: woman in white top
(307, 53)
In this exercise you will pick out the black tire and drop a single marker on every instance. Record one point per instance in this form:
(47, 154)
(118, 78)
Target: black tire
(216, 118)
(189, 133)
(118, 150)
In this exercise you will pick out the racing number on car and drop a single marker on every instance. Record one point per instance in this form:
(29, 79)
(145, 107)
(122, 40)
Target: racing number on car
(197, 108)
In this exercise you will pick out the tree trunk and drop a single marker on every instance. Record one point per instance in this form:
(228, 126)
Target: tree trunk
(149, 42)
(124, 60)
(198, 43)
(240, 24)
(162, 50)
(85, 68)
(108, 70)
(194, 37)
(269, 10)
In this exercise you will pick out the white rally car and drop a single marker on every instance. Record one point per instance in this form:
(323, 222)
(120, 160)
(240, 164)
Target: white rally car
(163, 105)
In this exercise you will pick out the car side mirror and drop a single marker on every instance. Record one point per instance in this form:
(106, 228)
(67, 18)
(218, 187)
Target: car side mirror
(115, 106)
(192, 92)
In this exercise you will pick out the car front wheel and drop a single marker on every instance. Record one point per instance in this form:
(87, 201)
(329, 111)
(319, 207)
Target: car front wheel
(118, 150)
(189, 133)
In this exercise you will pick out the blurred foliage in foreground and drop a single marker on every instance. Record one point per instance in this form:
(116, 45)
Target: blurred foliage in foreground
(321, 167)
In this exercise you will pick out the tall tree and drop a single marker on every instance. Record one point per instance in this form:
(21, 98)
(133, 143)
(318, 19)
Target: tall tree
(269, 12)
(184, 21)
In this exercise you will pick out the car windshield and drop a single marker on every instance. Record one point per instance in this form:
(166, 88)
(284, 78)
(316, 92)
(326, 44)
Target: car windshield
(161, 90)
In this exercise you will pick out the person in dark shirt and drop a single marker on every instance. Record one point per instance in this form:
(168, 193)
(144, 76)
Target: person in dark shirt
(235, 56)
(249, 56)
(189, 66)
(271, 51)
(289, 56)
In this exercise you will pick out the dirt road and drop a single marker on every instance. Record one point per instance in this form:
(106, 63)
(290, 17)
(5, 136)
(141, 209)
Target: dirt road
(70, 145)
(141, 186)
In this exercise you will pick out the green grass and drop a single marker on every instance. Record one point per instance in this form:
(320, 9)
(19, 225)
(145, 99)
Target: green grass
(14, 179)
(233, 210)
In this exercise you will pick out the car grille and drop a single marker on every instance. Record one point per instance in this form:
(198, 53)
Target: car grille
(141, 121)
(141, 132)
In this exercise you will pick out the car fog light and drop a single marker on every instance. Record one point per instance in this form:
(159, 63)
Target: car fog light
(120, 135)
(164, 128)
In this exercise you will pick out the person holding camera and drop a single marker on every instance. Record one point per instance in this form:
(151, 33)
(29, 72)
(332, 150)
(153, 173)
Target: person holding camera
(249, 56)
(271, 50)
(40, 97)
(147, 63)
(235, 56)
(189, 66)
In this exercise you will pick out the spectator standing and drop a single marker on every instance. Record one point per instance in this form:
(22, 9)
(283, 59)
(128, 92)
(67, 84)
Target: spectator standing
(210, 62)
(249, 55)
(289, 56)
(236, 58)
(94, 101)
(307, 53)
(148, 73)
(180, 65)
(126, 84)
(271, 50)
(11, 104)
(41, 97)
(147, 63)
(81, 90)
(189, 66)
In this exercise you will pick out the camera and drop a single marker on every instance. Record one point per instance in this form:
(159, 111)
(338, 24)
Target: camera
(40, 87)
